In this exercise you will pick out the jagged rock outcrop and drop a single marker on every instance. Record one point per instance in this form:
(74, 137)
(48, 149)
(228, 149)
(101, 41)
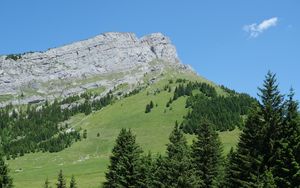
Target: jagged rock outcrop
(105, 60)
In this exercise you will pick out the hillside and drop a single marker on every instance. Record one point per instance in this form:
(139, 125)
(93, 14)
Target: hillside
(46, 135)
(88, 159)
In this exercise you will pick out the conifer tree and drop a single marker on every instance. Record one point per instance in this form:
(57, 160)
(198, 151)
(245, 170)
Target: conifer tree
(5, 179)
(176, 169)
(73, 182)
(269, 142)
(146, 171)
(272, 115)
(123, 170)
(207, 154)
(244, 165)
(286, 168)
(151, 104)
(267, 180)
(292, 122)
(61, 181)
(148, 108)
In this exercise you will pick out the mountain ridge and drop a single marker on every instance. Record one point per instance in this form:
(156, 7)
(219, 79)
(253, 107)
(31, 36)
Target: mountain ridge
(60, 72)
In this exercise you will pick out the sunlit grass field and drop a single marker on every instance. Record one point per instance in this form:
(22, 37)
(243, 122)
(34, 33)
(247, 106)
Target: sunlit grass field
(87, 160)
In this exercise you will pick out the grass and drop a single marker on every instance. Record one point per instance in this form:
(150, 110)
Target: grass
(6, 97)
(87, 160)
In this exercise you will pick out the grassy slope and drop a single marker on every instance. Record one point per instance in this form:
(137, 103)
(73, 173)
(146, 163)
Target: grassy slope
(88, 159)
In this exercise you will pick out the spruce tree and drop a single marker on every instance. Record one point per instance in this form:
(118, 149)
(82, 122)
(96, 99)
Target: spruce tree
(73, 182)
(146, 171)
(61, 181)
(272, 115)
(207, 154)
(286, 168)
(5, 179)
(123, 170)
(266, 180)
(151, 104)
(176, 169)
(244, 165)
(269, 142)
(292, 122)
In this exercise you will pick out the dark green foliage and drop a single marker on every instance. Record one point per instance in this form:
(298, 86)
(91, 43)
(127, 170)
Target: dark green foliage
(245, 164)
(84, 135)
(224, 112)
(267, 152)
(146, 171)
(151, 104)
(149, 107)
(169, 103)
(35, 129)
(86, 108)
(267, 180)
(133, 92)
(38, 128)
(286, 167)
(220, 111)
(73, 182)
(5, 180)
(176, 169)
(123, 170)
(61, 181)
(104, 101)
(70, 99)
(207, 155)
(14, 57)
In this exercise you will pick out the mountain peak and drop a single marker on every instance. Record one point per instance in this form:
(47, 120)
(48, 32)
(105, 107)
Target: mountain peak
(112, 53)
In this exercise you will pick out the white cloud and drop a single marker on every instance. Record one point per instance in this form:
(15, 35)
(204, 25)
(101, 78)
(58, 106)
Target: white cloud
(255, 29)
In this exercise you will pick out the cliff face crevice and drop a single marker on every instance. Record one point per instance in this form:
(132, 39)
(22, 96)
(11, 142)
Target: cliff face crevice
(106, 54)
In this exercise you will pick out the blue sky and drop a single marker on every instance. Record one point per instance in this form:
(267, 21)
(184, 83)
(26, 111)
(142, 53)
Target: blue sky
(230, 42)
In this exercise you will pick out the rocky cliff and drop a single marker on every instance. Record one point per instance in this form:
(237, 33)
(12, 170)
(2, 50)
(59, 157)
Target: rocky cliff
(104, 61)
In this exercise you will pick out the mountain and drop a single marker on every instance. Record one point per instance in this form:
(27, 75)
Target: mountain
(134, 71)
(105, 61)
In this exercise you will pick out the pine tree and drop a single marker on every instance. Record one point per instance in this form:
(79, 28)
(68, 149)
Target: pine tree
(292, 122)
(73, 182)
(5, 179)
(244, 165)
(148, 108)
(226, 181)
(84, 135)
(207, 154)
(151, 104)
(146, 171)
(123, 170)
(61, 181)
(266, 180)
(272, 115)
(286, 168)
(268, 143)
(176, 170)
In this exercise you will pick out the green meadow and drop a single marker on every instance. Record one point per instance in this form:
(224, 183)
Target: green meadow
(87, 160)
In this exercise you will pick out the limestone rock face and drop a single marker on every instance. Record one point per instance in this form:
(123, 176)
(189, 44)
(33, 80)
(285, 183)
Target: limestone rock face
(100, 61)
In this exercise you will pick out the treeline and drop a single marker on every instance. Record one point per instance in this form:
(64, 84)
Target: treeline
(198, 165)
(224, 112)
(267, 155)
(39, 128)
